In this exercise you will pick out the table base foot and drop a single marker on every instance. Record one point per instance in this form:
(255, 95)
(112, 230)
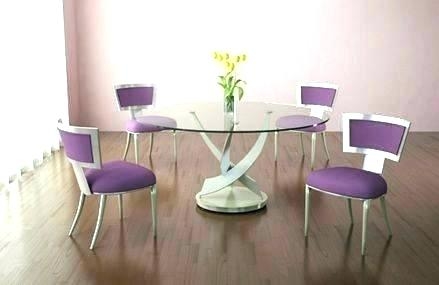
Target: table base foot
(232, 199)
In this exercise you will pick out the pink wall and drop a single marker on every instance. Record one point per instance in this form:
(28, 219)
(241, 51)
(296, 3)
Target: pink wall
(71, 61)
(383, 54)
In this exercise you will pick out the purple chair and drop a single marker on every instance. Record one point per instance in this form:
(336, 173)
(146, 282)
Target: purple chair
(135, 98)
(319, 98)
(378, 137)
(82, 148)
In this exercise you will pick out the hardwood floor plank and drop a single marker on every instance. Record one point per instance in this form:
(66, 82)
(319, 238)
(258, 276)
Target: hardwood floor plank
(195, 246)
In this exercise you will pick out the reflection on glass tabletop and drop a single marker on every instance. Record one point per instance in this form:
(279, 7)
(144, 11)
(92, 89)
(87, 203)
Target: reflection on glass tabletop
(252, 117)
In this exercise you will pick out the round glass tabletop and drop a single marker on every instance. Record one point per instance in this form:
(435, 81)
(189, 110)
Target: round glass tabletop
(252, 117)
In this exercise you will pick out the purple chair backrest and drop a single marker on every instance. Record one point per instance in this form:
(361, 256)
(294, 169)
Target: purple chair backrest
(317, 95)
(371, 133)
(134, 95)
(81, 145)
(376, 135)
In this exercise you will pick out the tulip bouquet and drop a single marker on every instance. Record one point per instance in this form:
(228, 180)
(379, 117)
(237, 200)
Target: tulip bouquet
(229, 82)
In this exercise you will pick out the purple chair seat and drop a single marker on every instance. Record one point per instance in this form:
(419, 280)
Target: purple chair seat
(149, 124)
(296, 121)
(119, 176)
(316, 129)
(347, 181)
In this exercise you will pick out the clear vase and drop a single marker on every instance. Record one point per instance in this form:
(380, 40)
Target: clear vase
(229, 105)
(235, 109)
(231, 108)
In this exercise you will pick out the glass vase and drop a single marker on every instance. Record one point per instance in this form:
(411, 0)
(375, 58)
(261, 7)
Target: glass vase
(235, 109)
(231, 108)
(229, 105)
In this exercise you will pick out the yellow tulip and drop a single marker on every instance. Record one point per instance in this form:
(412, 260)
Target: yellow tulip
(244, 57)
(220, 57)
(238, 58)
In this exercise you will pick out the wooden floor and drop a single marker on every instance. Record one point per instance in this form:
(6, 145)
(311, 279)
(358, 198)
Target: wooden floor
(194, 246)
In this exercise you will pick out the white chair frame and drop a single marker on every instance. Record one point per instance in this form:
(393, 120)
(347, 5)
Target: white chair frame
(135, 112)
(373, 161)
(316, 111)
(78, 168)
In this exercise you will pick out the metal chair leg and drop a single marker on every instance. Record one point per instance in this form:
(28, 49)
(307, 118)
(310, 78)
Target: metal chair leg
(120, 206)
(313, 149)
(325, 145)
(301, 144)
(350, 210)
(154, 209)
(386, 217)
(307, 201)
(136, 148)
(175, 145)
(127, 145)
(366, 205)
(151, 142)
(276, 135)
(78, 213)
(99, 221)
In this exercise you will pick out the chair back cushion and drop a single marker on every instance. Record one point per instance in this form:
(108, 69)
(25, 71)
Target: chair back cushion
(323, 96)
(81, 145)
(77, 146)
(363, 133)
(134, 95)
(376, 135)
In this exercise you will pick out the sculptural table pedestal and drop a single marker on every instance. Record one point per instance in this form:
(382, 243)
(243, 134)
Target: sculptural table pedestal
(219, 194)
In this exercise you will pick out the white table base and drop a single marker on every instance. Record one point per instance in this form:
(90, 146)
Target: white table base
(219, 194)
(232, 199)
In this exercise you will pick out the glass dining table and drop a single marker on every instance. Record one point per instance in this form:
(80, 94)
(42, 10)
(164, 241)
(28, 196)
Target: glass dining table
(233, 190)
